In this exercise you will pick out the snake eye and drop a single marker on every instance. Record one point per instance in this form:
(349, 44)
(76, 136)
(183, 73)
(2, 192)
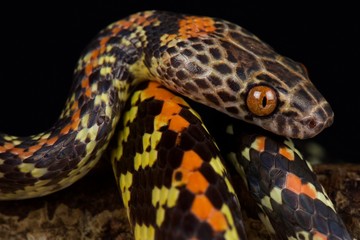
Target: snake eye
(261, 100)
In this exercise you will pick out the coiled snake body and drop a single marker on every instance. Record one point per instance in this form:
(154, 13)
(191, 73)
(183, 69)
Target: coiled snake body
(168, 168)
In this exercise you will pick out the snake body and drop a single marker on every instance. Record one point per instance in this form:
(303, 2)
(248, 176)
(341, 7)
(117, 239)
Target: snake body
(209, 60)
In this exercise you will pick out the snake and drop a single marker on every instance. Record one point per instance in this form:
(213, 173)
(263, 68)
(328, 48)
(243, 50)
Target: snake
(173, 180)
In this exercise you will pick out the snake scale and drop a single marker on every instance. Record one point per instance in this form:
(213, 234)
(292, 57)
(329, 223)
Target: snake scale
(173, 180)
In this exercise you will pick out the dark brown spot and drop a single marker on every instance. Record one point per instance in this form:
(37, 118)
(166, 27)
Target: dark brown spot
(198, 47)
(297, 106)
(231, 57)
(182, 44)
(290, 113)
(241, 73)
(281, 123)
(215, 53)
(172, 50)
(233, 85)
(187, 52)
(215, 81)
(202, 83)
(175, 62)
(203, 58)
(295, 131)
(211, 98)
(170, 72)
(265, 78)
(181, 75)
(303, 94)
(190, 87)
(233, 110)
(208, 42)
(222, 68)
(226, 97)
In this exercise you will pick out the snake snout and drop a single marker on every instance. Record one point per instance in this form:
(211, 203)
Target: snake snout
(317, 122)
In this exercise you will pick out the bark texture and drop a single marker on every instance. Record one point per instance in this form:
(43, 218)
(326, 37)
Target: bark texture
(92, 208)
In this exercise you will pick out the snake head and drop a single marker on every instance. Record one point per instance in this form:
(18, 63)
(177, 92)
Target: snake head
(226, 67)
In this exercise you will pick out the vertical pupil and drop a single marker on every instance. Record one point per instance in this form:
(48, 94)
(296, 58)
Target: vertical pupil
(263, 102)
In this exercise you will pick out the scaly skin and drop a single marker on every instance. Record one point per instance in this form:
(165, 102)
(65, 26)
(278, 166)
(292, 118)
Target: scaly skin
(210, 60)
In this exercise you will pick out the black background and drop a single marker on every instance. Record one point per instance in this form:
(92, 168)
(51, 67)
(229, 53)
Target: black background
(40, 44)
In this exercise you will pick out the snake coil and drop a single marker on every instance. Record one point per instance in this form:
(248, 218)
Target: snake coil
(173, 180)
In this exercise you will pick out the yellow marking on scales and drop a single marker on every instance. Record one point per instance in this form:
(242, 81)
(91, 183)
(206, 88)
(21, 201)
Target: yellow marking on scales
(155, 139)
(158, 199)
(146, 139)
(173, 197)
(325, 199)
(246, 153)
(82, 134)
(25, 167)
(9, 138)
(219, 168)
(266, 201)
(16, 141)
(92, 132)
(38, 172)
(229, 185)
(102, 98)
(231, 232)
(291, 145)
(125, 133)
(238, 167)
(275, 194)
(129, 116)
(145, 159)
(139, 70)
(125, 182)
(217, 165)
(90, 147)
(108, 110)
(162, 197)
(105, 71)
(106, 59)
(160, 216)
(85, 120)
(67, 109)
(303, 235)
(143, 232)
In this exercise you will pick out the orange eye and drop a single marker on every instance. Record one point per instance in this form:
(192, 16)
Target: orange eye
(261, 100)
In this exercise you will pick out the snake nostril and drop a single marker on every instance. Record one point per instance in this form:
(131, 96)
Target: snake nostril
(311, 123)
